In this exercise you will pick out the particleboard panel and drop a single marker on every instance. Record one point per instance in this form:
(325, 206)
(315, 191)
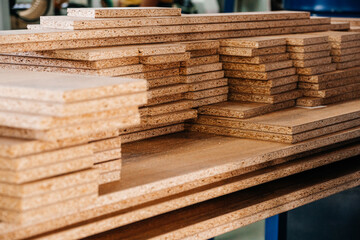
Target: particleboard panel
(326, 93)
(243, 109)
(256, 60)
(46, 171)
(269, 83)
(66, 22)
(254, 42)
(72, 109)
(15, 147)
(169, 117)
(339, 74)
(44, 122)
(231, 130)
(313, 102)
(336, 36)
(311, 55)
(329, 84)
(165, 81)
(312, 62)
(64, 88)
(251, 52)
(73, 130)
(200, 45)
(82, 64)
(38, 188)
(11, 204)
(210, 100)
(112, 40)
(159, 59)
(259, 67)
(208, 84)
(202, 77)
(340, 26)
(264, 76)
(44, 158)
(167, 90)
(207, 93)
(277, 98)
(316, 69)
(107, 155)
(201, 69)
(262, 90)
(48, 34)
(154, 132)
(201, 61)
(309, 48)
(106, 144)
(305, 39)
(297, 120)
(123, 12)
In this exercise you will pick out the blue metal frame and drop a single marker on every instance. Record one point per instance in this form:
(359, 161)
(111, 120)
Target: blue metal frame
(275, 227)
(229, 6)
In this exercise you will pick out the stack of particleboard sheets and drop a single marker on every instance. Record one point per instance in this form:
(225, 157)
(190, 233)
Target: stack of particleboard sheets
(354, 22)
(288, 126)
(203, 73)
(167, 106)
(260, 71)
(334, 86)
(339, 26)
(345, 48)
(51, 125)
(112, 27)
(224, 165)
(105, 61)
(217, 216)
(157, 63)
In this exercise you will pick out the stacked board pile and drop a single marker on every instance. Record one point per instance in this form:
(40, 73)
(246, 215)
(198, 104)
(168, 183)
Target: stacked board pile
(113, 27)
(260, 71)
(159, 64)
(203, 73)
(92, 41)
(291, 125)
(167, 107)
(333, 86)
(339, 26)
(153, 196)
(51, 127)
(354, 23)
